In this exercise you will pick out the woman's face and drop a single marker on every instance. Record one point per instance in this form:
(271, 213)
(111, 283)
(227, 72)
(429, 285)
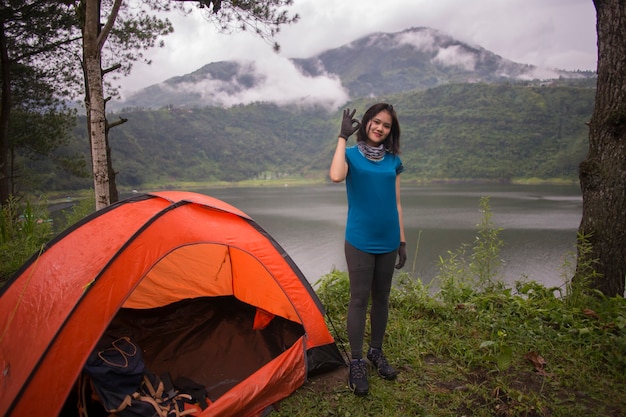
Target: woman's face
(378, 128)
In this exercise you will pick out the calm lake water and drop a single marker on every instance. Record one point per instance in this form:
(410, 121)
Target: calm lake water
(539, 222)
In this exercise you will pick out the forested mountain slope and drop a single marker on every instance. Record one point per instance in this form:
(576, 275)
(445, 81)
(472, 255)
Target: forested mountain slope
(454, 131)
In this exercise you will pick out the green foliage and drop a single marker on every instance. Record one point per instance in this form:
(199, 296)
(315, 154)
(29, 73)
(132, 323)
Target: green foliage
(578, 289)
(35, 82)
(24, 228)
(40, 126)
(35, 33)
(38, 143)
(333, 288)
(263, 18)
(462, 273)
(486, 251)
(485, 350)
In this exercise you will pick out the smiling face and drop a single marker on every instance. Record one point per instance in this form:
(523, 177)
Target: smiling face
(378, 128)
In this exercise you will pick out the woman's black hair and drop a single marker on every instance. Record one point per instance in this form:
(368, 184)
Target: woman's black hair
(392, 143)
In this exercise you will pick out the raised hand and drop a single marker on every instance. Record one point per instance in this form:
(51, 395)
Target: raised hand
(349, 124)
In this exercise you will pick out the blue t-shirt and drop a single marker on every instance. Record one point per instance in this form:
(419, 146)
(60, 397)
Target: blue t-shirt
(373, 224)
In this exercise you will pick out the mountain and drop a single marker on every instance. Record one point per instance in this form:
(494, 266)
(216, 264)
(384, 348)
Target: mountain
(414, 59)
(373, 66)
(466, 114)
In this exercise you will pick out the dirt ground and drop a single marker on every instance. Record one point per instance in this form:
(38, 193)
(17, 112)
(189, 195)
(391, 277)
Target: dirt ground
(328, 381)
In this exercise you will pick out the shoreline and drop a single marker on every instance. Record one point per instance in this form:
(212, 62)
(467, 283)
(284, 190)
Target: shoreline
(61, 196)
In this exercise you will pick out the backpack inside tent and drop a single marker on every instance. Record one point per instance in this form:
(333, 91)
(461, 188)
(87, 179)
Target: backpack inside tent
(197, 285)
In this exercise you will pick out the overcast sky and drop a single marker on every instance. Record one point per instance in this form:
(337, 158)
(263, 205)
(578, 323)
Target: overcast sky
(548, 33)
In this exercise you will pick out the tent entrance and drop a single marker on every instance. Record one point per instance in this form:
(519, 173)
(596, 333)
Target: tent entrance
(210, 340)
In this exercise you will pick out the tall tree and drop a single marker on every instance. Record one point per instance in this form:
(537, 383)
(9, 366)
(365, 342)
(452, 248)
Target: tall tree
(94, 37)
(100, 19)
(135, 31)
(31, 31)
(603, 173)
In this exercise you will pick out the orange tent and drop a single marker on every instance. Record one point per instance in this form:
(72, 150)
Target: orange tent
(154, 265)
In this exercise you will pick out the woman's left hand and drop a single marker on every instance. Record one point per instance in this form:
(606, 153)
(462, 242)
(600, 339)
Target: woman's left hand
(401, 255)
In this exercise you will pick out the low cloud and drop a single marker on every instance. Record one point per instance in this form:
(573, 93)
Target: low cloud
(422, 40)
(455, 56)
(425, 40)
(276, 80)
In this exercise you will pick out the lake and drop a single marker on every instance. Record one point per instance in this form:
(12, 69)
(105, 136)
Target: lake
(539, 225)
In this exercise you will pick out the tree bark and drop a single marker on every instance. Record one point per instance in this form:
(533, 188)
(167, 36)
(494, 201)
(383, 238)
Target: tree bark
(114, 195)
(96, 112)
(5, 110)
(603, 173)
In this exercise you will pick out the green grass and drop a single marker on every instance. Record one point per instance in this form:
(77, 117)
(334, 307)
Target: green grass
(470, 346)
(497, 352)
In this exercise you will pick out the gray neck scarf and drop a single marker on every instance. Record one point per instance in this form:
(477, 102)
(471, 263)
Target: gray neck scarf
(373, 153)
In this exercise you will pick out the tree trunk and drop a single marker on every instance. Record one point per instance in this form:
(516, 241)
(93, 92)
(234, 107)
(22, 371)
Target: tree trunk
(113, 194)
(95, 92)
(5, 110)
(603, 173)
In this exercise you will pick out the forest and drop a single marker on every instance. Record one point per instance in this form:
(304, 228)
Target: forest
(492, 132)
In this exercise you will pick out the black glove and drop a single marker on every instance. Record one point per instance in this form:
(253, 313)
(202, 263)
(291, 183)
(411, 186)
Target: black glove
(401, 255)
(347, 124)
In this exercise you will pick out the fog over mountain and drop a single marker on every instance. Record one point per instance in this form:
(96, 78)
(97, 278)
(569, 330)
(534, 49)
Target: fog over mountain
(372, 66)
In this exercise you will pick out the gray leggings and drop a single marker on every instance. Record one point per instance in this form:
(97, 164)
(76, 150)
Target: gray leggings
(370, 274)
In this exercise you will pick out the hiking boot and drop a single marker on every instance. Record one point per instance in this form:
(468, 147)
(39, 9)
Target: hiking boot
(357, 381)
(379, 362)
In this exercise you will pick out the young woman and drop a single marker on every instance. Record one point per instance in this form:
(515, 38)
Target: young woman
(374, 234)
